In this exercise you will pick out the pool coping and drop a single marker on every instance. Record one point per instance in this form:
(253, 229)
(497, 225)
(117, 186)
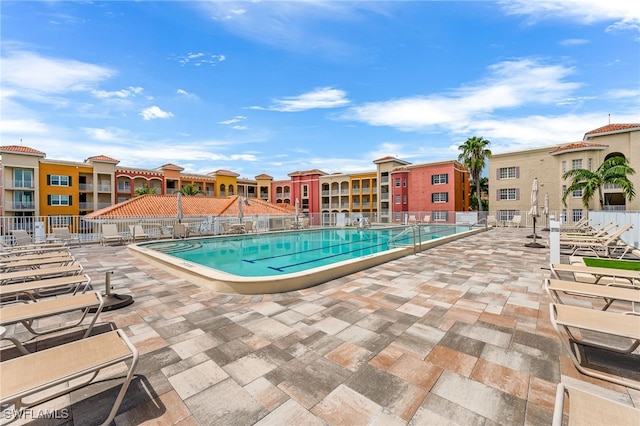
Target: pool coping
(224, 282)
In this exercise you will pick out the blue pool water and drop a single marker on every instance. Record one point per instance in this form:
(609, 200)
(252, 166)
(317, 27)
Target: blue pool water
(273, 254)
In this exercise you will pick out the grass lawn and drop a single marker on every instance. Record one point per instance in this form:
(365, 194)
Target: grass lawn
(633, 265)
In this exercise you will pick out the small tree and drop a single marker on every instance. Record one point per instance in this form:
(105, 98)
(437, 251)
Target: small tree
(145, 190)
(474, 153)
(190, 189)
(614, 170)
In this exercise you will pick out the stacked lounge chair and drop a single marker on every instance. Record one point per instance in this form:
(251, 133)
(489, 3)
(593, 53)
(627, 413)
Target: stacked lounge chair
(28, 377)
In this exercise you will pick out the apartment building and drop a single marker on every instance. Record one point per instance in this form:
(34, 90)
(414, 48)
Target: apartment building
(33, 185)
(511, 174)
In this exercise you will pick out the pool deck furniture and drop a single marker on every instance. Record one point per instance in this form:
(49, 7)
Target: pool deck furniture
(34, 289)
(38, 274)
(610, 294)
(138, 233)
(27, 250)
(586, 408)
(21, 237)
(62, 260)
(596, 233)
(606, 246)
(515, 222)
(65, 236)
(19, 258)
(110, 234)
(596, 275)
(27, 313)
(47, 370)
(565, 319)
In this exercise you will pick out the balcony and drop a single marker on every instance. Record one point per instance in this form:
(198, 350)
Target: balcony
(614, 208)
(22, 205)
(124, 188)
(85, 187)
(104, 188)
(85, 206)
(23, 184)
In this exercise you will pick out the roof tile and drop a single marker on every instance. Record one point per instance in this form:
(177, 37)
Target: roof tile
(21, 149)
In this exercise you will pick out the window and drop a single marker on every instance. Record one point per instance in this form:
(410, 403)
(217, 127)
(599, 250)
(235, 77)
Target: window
(577, 193)
(439, 179)
(439, 216)
(507, 194)
(576, 164)
(505, 215)
(397, 199)
(590, 164)
(507, 173)
(305, 190)
(564, 167)
(59, 200)
(397, 182)
(439, 197)
(23, 178)
(58, 180)
(404, 182)
(404, 199)
(576, 214)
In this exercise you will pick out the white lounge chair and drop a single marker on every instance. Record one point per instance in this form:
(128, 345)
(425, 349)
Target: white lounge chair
(51, 369)
(516, 221)
(586, 408)
(110, 234)
(597, 275)
(491, 220)
(64, 235)
(21, 237)
(138, 233)
(612, 324)
(39, 274)
(610, 294)
(27, 313)
(33, 289)
(607, 245)
(180, 231)
(61, 260)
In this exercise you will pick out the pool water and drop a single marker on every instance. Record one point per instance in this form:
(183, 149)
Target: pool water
(273, 254)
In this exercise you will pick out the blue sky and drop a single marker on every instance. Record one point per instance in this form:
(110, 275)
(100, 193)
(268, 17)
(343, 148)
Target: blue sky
(275, 87)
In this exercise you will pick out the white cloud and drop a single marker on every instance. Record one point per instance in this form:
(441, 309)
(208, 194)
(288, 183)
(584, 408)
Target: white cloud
(154, 112)
(122, 93)
(325, 97)
(233, 120)
(573, 42)
(110, 134)
(624, 13)
(23, 126)
(186, 94)
(200, 58)
(510, 85)
(31, 72)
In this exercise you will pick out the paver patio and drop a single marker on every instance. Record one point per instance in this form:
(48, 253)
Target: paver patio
(458, 334)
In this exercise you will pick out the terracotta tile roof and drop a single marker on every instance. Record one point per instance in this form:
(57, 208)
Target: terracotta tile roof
(390, 158)
(164, 206)
(578, 146)
(21, 149)
(102, 159)
(223, 172)
(170, 166)
(307, 172)
(264, 176)
(613, 128)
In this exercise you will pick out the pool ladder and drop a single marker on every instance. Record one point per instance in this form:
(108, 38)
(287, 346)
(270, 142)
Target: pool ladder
(415, 230)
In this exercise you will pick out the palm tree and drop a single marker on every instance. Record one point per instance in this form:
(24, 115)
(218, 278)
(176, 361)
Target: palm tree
(614, 170)
(474, 153)
(145, 190)
(190, 189)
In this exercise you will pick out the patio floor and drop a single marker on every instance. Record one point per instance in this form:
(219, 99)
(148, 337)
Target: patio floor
(459, 334)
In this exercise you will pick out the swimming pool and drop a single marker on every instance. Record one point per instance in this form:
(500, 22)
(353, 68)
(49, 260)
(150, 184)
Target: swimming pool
(283, 261)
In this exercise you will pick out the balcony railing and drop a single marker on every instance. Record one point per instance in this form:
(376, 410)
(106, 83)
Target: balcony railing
(23, 184)
(86, 187)
(614, 208)
(124, 188)
(104, 188)
(22, 205)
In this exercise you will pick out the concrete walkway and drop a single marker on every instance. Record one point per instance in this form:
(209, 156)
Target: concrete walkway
(459, 334)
